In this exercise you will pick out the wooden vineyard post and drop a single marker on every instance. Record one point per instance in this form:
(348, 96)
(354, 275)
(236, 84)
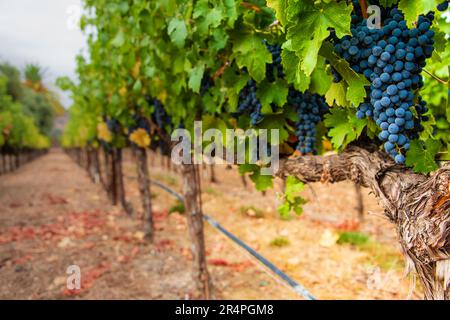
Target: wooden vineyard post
(87, 154)
(3, 170)
(113, 180)
(244, 181)
(78, 156)
(95, 163)
(109, 168)
(144, 189)
(359, 202)
(194, 214)
(213, 178)
(119, 185)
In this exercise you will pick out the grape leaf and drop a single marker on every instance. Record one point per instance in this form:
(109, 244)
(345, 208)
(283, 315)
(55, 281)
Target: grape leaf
(280, 7)
(421, 155)
(250, 52)
(388, 3)
(269, 93)
(207, 17)
(345, 127)
(291, 67)
(292, 201)
(356, 91)
(320, 80)
(413, 8)
(336, 94)
(195, 77)
(177, 32)
(262, 182)
(119, 39)
(310, 27)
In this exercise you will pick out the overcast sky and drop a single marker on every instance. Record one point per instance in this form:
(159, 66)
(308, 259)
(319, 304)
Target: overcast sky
(43, 32)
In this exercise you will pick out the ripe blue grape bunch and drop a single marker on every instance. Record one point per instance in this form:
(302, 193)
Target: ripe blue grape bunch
(206, 83)
(310, 108)
(139, 123)
(443, 6)
(249, 103)
(113, 125)
(274, 69)
(392, 58)
(159, 116)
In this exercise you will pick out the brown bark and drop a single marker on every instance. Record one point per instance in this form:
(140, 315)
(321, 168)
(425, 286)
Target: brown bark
(213, 178)
(418, 205)
(119, 184)
(359, 207)
(95, 166)
(113, 179)
(107, 169)
(144, 189)
(3, 164)
(194, 214)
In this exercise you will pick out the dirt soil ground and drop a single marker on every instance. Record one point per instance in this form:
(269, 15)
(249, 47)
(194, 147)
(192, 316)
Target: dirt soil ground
(53, 216)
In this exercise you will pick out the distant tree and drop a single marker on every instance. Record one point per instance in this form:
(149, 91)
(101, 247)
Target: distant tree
(14, 84)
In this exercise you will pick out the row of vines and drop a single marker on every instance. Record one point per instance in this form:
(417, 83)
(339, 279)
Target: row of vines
(350, 101)
(21, 137)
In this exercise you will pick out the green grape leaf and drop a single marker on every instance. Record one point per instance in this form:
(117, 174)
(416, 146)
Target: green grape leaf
(413, 8)
(119, 39)
(276, 121)
(310, 27)
(280, 7)
(320, 79)
(344, 126)
(250, 52)
(356, 91)
(292, 201)
(207, 17)
(421, 155)
(336, 94)
(269, 93)
(291, 67)
(177, 31)
(388, 3)
(262, 182)
(195, 77)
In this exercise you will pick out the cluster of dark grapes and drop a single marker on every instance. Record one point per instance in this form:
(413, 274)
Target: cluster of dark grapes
(159, 116)
(139, 123)
(249, 103)
(206, 83)
(274, 69)
(310, 108)
(113, 125)
(392, 58)
(443, 6)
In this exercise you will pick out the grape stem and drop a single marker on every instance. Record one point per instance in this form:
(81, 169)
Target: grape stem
(250, 6)
(221, 70)
(436, 78)
(363, 5)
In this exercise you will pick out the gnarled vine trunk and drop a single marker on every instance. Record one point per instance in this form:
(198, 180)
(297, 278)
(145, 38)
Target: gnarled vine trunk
(418, 205)
(194, 214)
(118, 183)
(144, 189)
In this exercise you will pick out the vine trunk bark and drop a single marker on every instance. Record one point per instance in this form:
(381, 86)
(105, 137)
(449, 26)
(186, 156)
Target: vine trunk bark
(194, 214)
(144, 189)
(417, 204)
(119, 183)
(359, 207)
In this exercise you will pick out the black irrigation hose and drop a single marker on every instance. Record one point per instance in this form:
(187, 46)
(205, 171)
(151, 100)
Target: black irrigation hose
(298, 288)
